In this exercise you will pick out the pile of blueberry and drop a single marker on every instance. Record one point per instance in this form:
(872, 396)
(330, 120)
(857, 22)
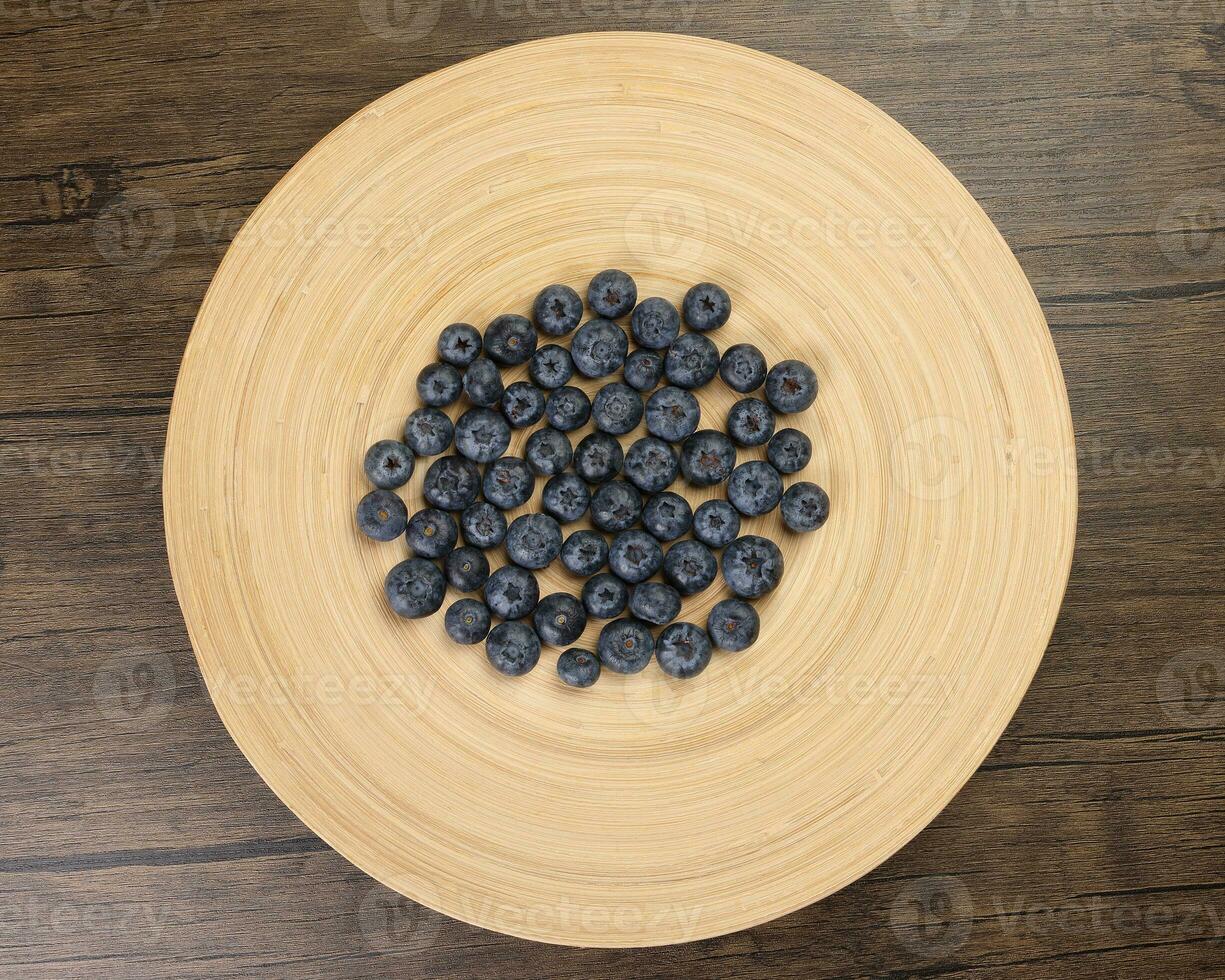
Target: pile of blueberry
(624, 491)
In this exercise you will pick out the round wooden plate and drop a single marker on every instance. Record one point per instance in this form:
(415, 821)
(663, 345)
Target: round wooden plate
(905, 632)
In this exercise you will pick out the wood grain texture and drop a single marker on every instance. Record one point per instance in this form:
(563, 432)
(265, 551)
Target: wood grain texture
(140, 843)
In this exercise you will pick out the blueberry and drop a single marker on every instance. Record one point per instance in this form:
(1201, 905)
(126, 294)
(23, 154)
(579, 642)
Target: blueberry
(673, 414)
(451, 483)
(523, 404)
(791, 386)
(509, 483)
(484, 526)
(707, 458)
(615, 506)
(752, 566)
(743, 368)
(560, 619)
(616, 409)
(381, 515)
(805, 507)
(750, 422)
(643, 370)
(625, 646)
(578, 668)
(733, 625)
(467, 569)
(667, 515)
(483, 383)
(513, 649)
(565, 498)
(706, 306)
(548, 452)
(568, 408)
(655, 323)
(655, 603)
(612, 294)
(467, 621)
(683, 650)
(598, 458)
(439, 384)
(510, 339)
(482, 435)
(533, 540)
(431, 533)
(551, 366)
(415, 588)
(651, 464)
(599, 348)
(690, 567)
(634, 556)
(459, 344)
(428, 432)
(388, 464)
(754, 488)
(584, 552)
(605, 596)
(716, 523)
(789, 450)
(512, 592)
(691, 361)
(557, 310)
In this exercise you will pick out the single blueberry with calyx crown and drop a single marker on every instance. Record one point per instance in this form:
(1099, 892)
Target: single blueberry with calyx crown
(625, 646)
(510, 339)
(789, 450)
(509, 483)
(707, 458)
(483, 383)
(752, 566)
(428, 432)
(716, 523)
(557, 310)
(467, 621)
(667, 515)
(743, 368)
(750, 422)
(548, 452)
(805, 507)
(439, 384)
(599, 348)
(565, 498)
(484, 526)
(388, 464)
(634, 556)
(616, 409)
(523, 404)
(651, 464)
(459, 344)
(512, 648)
(615, 506)
(551, 366)
(568, 408)
(381, 515)
(578, 668)
(754, 488)
(692, 361)
(559, 619)
(467, 568)
(584, 553)
(415, 588)
(605, 596)
(451, 483)
(733, 625)
(655, 603)
(690, 567)
(431, 533)
(643, 369)
(533, 540)
(706, 306)
(598, 457)
(655, 323)
(673, 414)
(511, 592)
(612, 294)
(482, 435)
(791, 386)
(683, 650)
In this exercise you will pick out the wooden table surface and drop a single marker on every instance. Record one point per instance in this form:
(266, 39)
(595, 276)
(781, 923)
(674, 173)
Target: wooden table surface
(136, 136)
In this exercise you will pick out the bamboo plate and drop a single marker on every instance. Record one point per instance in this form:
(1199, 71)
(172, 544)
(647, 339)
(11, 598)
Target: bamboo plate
(905, 632)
